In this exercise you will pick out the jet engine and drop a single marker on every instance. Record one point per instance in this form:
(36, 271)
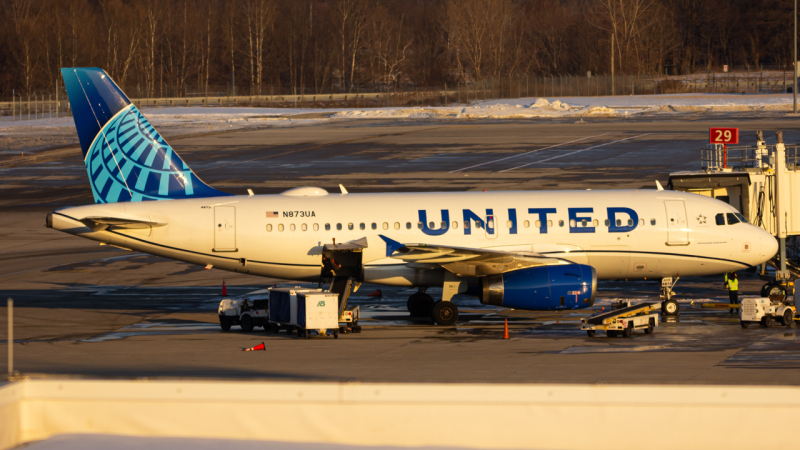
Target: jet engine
(568, 286)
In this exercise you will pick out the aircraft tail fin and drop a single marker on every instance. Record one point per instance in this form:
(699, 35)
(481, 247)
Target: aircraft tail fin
(126, 158)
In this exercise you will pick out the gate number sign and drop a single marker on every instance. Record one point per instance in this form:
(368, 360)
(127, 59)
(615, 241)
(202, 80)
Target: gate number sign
(723, 135)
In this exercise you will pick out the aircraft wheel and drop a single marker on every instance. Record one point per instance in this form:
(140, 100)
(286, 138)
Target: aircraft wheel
(628, 332)
(419, 304)
(247, 324)
(770, 289)
(225, 324)
(788, 318)
(670, 308)
(766, 321)
(650, 326)
(444, 313)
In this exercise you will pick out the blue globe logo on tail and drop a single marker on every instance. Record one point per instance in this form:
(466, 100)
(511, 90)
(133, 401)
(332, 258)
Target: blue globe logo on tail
(126, 158)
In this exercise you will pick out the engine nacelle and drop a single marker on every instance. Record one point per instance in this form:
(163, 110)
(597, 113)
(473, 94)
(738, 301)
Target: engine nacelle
(568, 286)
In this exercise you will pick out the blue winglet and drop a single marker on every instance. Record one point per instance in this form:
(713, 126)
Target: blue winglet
(391, 245)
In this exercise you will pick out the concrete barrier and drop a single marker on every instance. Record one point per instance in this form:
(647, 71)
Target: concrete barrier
(370, 414)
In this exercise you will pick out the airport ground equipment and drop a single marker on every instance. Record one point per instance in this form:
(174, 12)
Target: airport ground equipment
(623, 321)
(283, 311)
(249, 311)
(305, 311)
(348, 321)
(764, 310)
(762, 182)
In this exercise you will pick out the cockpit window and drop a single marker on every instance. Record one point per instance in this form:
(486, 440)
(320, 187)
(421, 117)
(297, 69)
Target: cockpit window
(740, 217)
(720, 219)
(731, 218)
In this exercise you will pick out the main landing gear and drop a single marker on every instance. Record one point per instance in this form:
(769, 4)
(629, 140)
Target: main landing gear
(421, 304)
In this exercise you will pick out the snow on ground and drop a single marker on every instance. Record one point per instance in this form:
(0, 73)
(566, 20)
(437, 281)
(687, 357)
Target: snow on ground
(37, 134)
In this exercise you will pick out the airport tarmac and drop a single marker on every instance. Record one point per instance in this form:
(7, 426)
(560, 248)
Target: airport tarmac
(86, 310)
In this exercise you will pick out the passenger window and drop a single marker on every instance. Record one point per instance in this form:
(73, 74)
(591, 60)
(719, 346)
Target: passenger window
(478, 225)
(720, 218)
(653, 222)
(280, 227)
(316, 227)
(374, 226)
(385, 226)
(350, 226)
(509, 224)
(431, 225)
(408, 225)
(327, 227)
(572, 224)
(538, 224)
(444, 225)
(619, 222)
(419, 225)
(269, 227)
(561, 223)
(526, 224)
(732, 218)
(397, 225)
(550, 224)
(607, 222)
(630, 222)
(466, 224)
(362, 226)
(291, 227)
(339, 226)
(455, 224)
(740, 217)
(304, 227)
(595, 223)
(641, 222)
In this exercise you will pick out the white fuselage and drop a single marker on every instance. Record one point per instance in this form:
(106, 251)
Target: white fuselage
(282, 236)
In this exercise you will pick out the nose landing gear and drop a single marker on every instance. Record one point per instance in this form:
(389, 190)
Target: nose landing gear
(669, 307)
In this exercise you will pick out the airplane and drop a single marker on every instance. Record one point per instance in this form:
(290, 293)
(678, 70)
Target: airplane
(530, 250)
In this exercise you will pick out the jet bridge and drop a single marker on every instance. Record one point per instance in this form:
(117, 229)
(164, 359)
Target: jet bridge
(762, 182)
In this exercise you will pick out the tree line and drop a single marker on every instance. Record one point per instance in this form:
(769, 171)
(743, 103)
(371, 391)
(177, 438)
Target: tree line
(256, 47)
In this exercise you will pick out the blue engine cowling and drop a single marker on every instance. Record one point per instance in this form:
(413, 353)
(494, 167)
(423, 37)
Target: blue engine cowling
(568, 286)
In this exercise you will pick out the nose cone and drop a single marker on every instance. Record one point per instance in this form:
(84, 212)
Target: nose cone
(768, 247)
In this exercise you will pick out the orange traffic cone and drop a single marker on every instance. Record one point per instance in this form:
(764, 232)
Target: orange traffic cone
(377, 293)
(505, 331)
(257, 347)
(224, 288)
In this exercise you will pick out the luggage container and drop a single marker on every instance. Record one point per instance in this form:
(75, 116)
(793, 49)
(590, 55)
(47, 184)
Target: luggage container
(283, 308)
(319, 312)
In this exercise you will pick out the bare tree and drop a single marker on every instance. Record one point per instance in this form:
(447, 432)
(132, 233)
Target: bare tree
(25, 14)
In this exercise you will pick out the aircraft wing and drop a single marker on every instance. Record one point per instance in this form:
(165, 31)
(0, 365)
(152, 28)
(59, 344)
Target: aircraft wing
(464, 261)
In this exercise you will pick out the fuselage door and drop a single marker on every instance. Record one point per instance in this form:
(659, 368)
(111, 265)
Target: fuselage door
(677, 225)
(225, 229)
(491, 226)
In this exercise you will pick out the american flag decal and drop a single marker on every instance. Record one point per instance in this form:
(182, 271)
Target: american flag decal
(272, 214)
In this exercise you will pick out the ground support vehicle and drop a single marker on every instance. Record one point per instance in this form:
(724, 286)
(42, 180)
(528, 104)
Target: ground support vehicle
(623, 321)
(283, 313)
(249, 311)
(764, 310)
(307, 311)
(348, 322)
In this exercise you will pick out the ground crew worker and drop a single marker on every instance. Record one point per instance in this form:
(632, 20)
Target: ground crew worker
(733, 289)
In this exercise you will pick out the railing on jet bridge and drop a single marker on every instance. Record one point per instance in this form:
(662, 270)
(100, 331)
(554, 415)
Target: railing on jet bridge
(715, 157)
